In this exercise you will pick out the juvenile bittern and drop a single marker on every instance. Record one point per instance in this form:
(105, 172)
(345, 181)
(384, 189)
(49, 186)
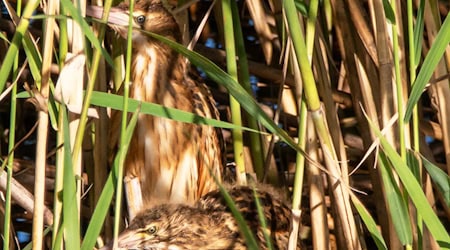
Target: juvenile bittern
(174, 161)
(209, 224)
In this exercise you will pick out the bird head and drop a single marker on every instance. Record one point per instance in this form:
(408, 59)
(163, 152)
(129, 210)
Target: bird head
(147, 16)
(161, 227)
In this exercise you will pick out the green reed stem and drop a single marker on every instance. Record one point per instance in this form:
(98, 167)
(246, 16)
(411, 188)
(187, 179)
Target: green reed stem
(16, 42)
(9, 168)
(256, 146)
(126, 90)
(230, 47)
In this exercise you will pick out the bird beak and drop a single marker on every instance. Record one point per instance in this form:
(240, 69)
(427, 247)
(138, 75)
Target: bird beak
(118, 19)
(116, 16)
(127, 240)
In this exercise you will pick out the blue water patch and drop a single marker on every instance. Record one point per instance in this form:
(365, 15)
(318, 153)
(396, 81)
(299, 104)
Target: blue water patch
(210, 43)
(23, 237)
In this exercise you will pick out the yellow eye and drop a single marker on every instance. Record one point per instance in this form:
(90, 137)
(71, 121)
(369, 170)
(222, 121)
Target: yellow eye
(140, 20)
(151, 230)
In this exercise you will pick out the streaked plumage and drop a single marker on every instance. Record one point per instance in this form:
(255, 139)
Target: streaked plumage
(209, 224)
(171, 159)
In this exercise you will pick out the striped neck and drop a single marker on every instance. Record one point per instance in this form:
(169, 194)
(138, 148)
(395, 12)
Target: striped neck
(156, 67)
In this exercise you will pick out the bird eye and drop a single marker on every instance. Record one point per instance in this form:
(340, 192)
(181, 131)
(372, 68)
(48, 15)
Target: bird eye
(151, 230)
(140, 19)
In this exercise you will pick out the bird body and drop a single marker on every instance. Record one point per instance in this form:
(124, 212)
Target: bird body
(209, 223)
(171, 158)
(174, 161)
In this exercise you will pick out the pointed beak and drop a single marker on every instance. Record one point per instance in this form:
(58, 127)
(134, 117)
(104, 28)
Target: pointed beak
(130, 239)
(116, 15)
(127, 240)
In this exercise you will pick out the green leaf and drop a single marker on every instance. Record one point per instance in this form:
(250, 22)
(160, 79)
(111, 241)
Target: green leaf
(71, 224)
(33, 57)
(16, 42)
(262, 220)
(388, 11)
(440, 178)
(398, 207)
(234, 88)
(418, 32)
(370, 223)
(116, 102)
(99, 215)
(415, 192)
(414, 165)
(431, 60)
(76, 14)
(113, 101)
(301, 7)
(102, 208)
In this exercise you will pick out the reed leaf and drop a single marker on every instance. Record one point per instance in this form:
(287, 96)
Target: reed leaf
(102, 207)
(440, 179)
(397, 206)
(16, 42)
(71, 222)
(437, 49)
(411, 185)
(370, 223)
(236, 90)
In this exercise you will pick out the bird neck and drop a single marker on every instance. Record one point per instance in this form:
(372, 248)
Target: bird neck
(157, 69)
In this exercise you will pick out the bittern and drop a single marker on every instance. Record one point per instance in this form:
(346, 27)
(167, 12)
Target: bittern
(174, 161)
(209, 223)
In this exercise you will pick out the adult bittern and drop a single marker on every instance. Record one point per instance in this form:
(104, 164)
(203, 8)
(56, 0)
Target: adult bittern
(174, 161)
(209, 224)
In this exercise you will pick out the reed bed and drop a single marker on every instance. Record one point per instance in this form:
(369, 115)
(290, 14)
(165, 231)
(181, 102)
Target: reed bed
(343, 105)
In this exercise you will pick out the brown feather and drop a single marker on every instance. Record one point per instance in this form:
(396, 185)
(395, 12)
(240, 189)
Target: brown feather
(209, 223)
(173, 160)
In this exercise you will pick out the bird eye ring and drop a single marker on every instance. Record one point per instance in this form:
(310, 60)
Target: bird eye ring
(152, 230)
(140, 19)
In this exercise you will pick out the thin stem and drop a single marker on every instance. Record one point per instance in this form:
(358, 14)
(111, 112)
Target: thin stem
(398, 84)
(341, 197)
(238, 143)
(256, 146)
(16, 42)
(59, 177)
(41, 148)
(126, 90)
(9, 169)
(89, 89)
(412, 70)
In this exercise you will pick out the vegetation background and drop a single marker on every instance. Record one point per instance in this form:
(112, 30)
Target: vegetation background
(350, 99)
